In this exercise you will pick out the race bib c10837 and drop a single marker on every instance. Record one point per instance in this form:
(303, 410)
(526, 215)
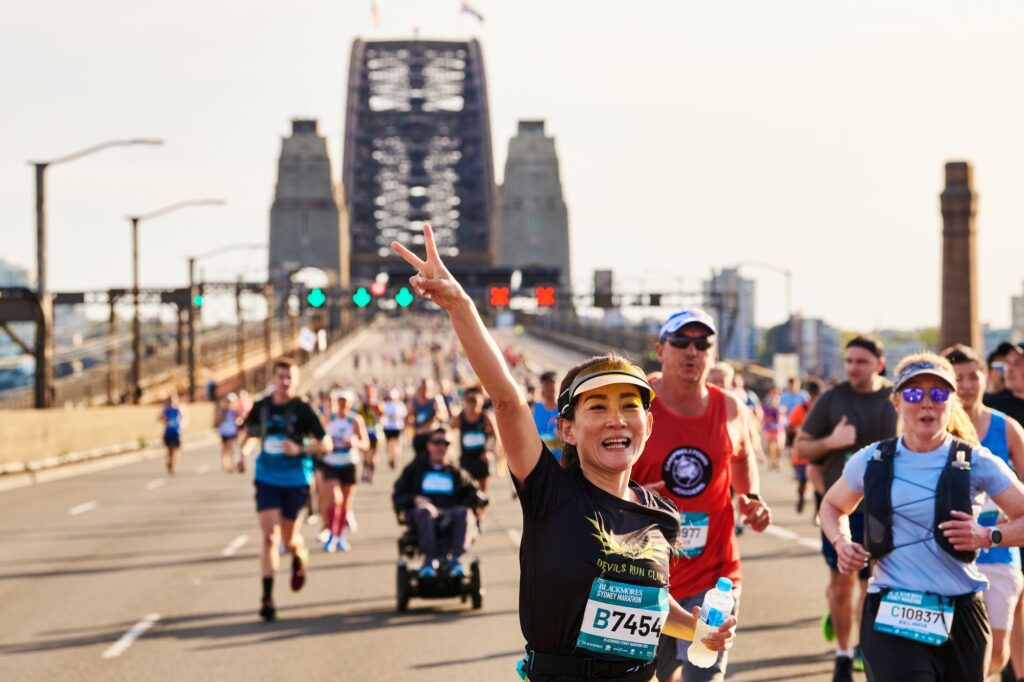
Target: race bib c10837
(918, 616)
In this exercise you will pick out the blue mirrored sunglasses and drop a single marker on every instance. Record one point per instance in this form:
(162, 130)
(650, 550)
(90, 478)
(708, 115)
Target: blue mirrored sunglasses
(915, 394)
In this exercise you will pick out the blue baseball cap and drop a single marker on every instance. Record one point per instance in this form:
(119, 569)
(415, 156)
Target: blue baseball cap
(680, 319)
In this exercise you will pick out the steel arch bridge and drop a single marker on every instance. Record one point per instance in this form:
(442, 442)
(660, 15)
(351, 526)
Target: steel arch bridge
(418, 149)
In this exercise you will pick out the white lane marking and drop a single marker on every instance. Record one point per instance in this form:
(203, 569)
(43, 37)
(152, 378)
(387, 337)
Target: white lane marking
(156, 483)
(82, 508)
(202, 468)
(128, 638)
(235, 545)
(515, 535)
(787, 534)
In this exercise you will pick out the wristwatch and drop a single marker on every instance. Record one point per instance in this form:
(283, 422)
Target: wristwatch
(995, 536)
(753, 496)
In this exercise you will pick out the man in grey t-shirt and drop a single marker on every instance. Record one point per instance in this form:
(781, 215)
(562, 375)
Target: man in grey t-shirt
(843, 420)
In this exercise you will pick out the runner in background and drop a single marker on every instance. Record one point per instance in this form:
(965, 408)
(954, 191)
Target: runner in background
(427, 412)
(174, 417)
(392, 420)
(340, 468)
(288, 431)
(370, 409)
(801, 466)
(478, 438)
(843, 420)
(774, 426)
(545, 414)
(1010, 401)
(227, 421)
(1004, 438)
(997, 367)
(697, 455)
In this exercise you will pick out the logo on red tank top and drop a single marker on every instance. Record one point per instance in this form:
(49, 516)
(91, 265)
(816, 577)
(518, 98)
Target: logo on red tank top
(687, 471)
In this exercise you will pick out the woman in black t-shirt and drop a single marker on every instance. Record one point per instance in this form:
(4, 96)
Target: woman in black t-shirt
(593, 598)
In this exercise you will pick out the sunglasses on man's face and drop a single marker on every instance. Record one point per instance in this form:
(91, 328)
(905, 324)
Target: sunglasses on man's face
(915, 394)
(440, 442)
(698, 342)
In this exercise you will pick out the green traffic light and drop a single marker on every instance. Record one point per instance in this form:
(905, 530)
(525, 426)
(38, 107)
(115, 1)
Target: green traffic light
(362, 297)
(316, 297)
(197, 300)
(404, 297)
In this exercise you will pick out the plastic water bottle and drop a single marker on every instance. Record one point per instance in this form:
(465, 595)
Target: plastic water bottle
(718, 605)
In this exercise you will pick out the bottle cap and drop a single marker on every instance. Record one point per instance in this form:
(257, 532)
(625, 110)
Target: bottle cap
(724, 584)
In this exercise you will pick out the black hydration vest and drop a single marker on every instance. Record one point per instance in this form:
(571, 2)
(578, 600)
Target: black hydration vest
(953, 493)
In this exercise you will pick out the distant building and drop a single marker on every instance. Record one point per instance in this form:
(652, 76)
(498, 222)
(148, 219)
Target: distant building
(817, 345)
(729, 297)
(307, 219)
(534, 225)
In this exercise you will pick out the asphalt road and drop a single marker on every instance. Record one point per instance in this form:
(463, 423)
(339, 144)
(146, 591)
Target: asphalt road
(130, 574)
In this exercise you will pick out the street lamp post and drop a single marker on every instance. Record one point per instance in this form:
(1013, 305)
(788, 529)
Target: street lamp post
(192, 389)
(44, 334)
(136, 321)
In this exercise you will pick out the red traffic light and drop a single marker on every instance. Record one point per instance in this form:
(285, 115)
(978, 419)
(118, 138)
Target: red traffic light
(378, 288)
(545, 296)
(500, 296)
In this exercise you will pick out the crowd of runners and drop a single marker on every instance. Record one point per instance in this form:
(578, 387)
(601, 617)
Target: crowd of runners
(638, 484)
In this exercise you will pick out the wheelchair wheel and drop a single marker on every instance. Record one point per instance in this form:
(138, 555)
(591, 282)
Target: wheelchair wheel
(403, 588)
(477, 592)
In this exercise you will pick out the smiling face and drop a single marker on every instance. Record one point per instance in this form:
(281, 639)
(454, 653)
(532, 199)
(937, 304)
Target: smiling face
(926, 420)
(609, 427)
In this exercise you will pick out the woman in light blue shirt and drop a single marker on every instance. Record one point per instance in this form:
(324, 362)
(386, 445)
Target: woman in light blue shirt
(924, 617)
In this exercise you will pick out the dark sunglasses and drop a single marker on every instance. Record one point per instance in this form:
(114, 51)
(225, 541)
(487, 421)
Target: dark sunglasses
(915, 394)
(698, 342)
(439, 442)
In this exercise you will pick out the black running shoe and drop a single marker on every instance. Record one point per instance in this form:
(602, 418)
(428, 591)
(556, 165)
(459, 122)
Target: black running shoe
(299, 563)
(268, 611)
(843, 672)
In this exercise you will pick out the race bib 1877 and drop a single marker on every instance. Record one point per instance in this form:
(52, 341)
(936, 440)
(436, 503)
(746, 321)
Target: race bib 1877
(623, 619)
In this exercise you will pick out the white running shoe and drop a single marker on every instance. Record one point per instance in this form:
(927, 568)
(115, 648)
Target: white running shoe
(352, 523)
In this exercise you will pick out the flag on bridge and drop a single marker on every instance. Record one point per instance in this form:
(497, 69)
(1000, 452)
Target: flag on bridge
(467, 8)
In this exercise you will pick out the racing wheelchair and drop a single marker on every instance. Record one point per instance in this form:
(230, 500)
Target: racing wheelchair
(441, 585)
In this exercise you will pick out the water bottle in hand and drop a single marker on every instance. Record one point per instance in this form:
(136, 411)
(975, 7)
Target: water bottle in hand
(718, 605)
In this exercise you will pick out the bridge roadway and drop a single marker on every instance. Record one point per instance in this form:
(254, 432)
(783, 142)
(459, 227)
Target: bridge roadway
(129, 574)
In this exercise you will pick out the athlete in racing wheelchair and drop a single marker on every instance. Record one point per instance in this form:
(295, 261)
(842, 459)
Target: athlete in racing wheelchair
(437, 502)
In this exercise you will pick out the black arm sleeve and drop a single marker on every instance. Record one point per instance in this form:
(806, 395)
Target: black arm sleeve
(403, 494)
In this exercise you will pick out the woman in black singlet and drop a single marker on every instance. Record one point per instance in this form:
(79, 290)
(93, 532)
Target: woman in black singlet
(593, 597)
(427, 412)
(477, 437)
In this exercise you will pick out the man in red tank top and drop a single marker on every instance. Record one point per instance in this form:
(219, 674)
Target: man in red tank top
(697, 454)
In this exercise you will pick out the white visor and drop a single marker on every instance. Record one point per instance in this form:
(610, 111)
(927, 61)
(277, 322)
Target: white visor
(600, 380)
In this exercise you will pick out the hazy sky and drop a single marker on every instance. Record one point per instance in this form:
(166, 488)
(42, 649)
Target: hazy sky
(693, 134)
